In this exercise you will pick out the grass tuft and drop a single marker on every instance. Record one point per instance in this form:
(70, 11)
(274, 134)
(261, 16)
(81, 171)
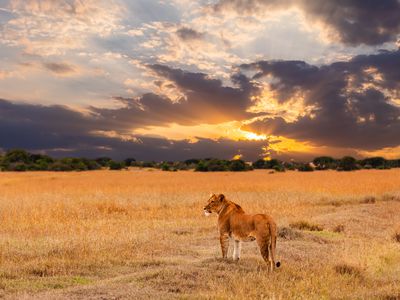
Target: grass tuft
(396, 235)
(346, 269)
(368, 200)
(338, 228)
(304, 225)
(288, 233)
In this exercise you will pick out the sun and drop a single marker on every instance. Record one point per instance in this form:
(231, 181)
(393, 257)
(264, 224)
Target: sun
(253, 136)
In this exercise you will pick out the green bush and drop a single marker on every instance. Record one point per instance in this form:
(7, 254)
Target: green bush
(348, 163)
(325, 163)
(237, 165)
(165, 167)
(115, 165)
(305, 168)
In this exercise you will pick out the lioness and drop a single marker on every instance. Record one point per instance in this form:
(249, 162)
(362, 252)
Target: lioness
(234, 223)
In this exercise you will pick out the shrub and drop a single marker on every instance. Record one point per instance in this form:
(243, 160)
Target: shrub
(115, 165)
(396, 235)
(375, 162)
(348, 163)
(148, 164)
(305, 168)
(103, 161)
(201, 167)
(304, 225)
(279, 168)
(339, 228)
(59, 166)
(325, 163)
(129, 162)
(165, 166)
(237, 165)
(346, 269)
(288, 233)
(266, 164)
(368, 200)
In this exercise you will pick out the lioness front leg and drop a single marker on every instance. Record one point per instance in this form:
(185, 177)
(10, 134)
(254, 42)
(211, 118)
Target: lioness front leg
(224, 240)
(236, 250)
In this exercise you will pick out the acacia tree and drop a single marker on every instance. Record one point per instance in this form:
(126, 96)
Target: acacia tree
(325, 163)
(348, 163)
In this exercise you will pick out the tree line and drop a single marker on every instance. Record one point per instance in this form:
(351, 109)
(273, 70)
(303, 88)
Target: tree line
(21, 160)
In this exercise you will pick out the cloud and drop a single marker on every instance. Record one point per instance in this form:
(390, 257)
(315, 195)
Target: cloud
(61, 131)
(52, 27)
(188, 34)
(354, 103)
(60, 68)
(351, 22)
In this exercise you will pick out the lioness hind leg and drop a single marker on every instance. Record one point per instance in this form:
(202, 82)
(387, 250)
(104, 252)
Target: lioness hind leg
(263, 244)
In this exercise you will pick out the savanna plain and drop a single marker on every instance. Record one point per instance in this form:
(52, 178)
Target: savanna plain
(141, 234)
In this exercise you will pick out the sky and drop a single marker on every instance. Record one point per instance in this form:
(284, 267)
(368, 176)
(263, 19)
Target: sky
(179, 79)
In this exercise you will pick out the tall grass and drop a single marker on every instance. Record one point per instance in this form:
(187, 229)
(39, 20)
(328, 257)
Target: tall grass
(62, 230)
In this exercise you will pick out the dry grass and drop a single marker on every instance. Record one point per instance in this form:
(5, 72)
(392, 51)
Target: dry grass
(141, 234)
(305, 225)
(396, 235)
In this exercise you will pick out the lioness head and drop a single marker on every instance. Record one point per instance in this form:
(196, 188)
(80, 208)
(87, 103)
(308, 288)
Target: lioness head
(214, 204)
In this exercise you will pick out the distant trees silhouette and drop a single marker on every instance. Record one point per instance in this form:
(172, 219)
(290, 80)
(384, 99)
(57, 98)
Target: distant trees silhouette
(21, 160)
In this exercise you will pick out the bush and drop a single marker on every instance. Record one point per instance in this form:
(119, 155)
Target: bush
(59, 166)
(348, 163)
(165, 166)
(147, 164)
(279, 168)
(237, 165)
(115, 165)
(288, 233)
(305, 168)
(17, 167)
(103, 161)
(375, 162)
(325, 163)
(201, 167)
(267, 164)
(129, 162)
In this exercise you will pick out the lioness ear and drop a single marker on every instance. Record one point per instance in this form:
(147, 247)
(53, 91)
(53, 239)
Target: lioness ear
(221, 197)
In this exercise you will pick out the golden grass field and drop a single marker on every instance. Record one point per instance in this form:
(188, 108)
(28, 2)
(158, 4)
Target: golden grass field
(141, 234)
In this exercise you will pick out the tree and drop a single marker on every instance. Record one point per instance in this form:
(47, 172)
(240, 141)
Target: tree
(129, 161)
(103, 161)
(375, 162)
(17, 156)
(305, 168)
(237, 165)
(324, 163)
(259, 164)
(115, 165)
(267, 164)
(348, 163)
(165, 166)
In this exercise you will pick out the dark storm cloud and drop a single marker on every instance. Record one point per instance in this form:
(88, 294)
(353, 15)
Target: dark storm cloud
(207, 101)
(38, 127)
(354, 21)
(60, 131)
(354, 101)
(59, 68)
(188, 34)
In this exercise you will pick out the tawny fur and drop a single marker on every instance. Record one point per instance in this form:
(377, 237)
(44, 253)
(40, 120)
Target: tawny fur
(234, 223)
